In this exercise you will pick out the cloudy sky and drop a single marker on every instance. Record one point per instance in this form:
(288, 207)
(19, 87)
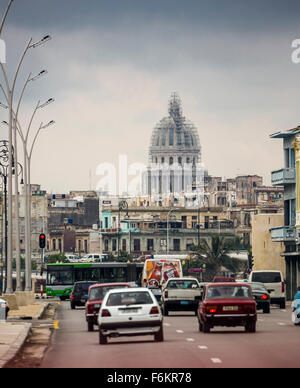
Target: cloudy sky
(113, 66)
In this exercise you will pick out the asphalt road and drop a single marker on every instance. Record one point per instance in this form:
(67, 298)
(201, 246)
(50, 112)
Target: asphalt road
(276, 344)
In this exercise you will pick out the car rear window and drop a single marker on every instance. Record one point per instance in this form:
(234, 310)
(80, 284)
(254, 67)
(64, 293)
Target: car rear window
(228, 292)
(100, 292)
(182, 284)
(84, 287)
(129, 298)
(258, 287)
(266, 277)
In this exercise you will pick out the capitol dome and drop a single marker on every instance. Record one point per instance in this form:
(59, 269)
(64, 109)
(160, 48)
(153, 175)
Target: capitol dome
(175, 139)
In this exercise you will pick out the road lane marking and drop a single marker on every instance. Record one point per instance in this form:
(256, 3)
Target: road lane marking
(202, 347)
(216, 360)
(167, 324)
(179, 331)
(190, 339)
(281, 324)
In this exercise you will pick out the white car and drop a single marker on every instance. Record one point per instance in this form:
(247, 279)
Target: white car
(130, 312)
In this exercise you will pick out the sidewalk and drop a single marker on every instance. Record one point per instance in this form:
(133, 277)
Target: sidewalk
(14, 334)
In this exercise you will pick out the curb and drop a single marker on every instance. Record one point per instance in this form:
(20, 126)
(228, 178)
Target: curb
(16, 346)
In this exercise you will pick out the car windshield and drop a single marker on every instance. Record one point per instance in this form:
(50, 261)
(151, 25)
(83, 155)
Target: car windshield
(228, 292)
(98, 293)
(129, 298)
(182, 284)
(266, 277)
(258, 287)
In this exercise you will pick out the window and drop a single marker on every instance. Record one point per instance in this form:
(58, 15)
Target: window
(106, 245)
(171, 161)
(54, 244)
(59, 245)
(124, 245)
(171, 138)
(150, 245)
(176, 244)
(114, 245)
(180, 160)
(137, 245)
(85, 246)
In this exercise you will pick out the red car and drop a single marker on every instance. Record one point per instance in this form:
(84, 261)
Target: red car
(223, 279)
(227, 304)
(94, 301)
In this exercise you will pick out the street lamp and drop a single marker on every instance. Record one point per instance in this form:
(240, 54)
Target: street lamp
(123, 205)
(172, 210)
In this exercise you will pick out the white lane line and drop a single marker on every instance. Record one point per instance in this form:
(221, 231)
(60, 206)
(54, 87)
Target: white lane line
(167, 324)
(180, 331)
(216, 360)
(281, 324)
(190, 340)
(202, 347)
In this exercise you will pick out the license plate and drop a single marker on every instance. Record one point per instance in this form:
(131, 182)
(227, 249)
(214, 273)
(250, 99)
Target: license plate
(184, 302)
(82, 300)
(129, 311)
(230, 308)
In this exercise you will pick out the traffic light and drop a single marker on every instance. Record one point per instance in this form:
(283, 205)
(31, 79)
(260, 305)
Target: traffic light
(250, 261)
(42, 240)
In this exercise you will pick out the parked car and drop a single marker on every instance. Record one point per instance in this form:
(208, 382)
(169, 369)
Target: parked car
(181, 294)
(79, 294)
(229, 305)
(2, 301)
(274, 283)
(130, 312)
(262, 297)
(95, 297)
(223, 279)
(72, 258)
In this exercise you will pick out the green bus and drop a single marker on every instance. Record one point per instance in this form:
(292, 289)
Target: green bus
(62, 276)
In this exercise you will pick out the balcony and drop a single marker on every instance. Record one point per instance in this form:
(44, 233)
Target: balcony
(283, 234)
(283, 177)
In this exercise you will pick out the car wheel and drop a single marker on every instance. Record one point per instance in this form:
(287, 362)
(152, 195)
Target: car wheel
(165, 311)
(73, 306)
(90, 326)
(250, 327)
(206, 328)
(282, 305)
(159, 336)
(266, 309)
(102, 338)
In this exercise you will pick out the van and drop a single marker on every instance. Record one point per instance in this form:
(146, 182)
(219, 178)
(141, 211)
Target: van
(94, 258)
(274, 283)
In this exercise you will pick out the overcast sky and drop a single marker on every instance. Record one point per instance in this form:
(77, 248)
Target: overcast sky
(113, 66)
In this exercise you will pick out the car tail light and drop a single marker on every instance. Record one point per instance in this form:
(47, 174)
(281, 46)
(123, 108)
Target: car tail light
(73, 297)
(166, 294)
(91, 308)
(154, 310)
(282, 287)
(250, 309)
(264, 297)
(211, 309)
(105, 313)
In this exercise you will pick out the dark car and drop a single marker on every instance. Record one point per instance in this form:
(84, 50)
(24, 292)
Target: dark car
(229, 305)
(96, 294)
(79, 294)
(262, 297)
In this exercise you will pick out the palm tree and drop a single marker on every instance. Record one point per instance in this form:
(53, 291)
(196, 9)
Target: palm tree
(215, 255)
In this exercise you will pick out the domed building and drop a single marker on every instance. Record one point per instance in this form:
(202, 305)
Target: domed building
(174, 156)
(175, 139)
